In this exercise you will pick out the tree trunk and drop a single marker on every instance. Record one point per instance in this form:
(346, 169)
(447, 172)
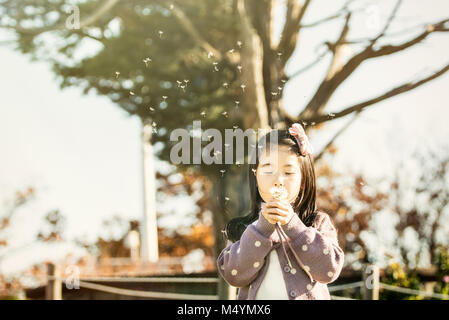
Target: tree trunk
(251, 74)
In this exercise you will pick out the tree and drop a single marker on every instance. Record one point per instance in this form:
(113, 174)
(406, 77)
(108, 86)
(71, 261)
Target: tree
(192, 54)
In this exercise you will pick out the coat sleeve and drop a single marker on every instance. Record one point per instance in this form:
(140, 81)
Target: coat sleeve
(240, 262)
(317, 247)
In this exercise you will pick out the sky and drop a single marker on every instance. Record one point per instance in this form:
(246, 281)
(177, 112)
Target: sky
(82, 153)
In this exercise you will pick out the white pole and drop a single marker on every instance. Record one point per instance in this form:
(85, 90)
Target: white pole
(149, 246)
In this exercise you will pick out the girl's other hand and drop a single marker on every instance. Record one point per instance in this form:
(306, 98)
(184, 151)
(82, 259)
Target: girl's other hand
(266, 214)
(278, 210)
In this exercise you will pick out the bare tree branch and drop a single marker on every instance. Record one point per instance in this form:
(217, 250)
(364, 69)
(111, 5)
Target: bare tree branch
(329, 18)
(289, 37)
(328, 86)
(388, 23)
(394, 92)
(332, 141)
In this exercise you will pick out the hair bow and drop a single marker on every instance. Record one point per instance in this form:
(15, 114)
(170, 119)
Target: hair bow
(297, 131)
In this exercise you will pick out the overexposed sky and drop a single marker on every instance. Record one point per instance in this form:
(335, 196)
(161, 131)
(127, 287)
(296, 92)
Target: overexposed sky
(83, 153)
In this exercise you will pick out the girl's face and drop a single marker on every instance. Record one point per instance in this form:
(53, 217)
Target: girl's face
(279, 170)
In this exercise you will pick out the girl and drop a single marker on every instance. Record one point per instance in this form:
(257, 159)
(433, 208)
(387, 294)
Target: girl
(284, 248)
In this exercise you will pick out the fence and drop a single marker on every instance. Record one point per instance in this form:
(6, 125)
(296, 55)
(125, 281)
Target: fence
(370, 286)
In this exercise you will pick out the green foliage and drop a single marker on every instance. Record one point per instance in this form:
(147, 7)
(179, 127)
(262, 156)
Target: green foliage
(442, 274)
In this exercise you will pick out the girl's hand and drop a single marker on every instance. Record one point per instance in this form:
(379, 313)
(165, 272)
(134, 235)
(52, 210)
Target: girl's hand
(278, 210)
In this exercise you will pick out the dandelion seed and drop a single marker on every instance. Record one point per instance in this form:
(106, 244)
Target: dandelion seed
(313, 123)
(238, 163)
(164, 97)
(117, 74)
(254, 171)
(147, 60)
(151, 109)
(183, 87)
(154, 130)
(239, 43)
(243, 87)
(210, 54)
(331, 115)
(131, 93)
(227, 198)
(222, 172)
(274, 94)
(154, 124)
(237, 103)
(279, 55)
(283, 81)
(279, 88)
(240, 68)
(226, 145)
(160, 33)
(179, 82)
(186, 81)
(171, 7)
(225, 114)
(226, 85)
(231, 51)
(203, 113)
(235, 127)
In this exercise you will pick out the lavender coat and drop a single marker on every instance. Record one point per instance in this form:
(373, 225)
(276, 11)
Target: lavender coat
(243, 264)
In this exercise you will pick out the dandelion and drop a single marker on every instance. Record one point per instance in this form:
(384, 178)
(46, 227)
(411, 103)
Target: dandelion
(278, 192)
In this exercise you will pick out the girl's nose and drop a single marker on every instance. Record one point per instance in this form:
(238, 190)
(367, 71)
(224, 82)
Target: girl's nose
(279, 182)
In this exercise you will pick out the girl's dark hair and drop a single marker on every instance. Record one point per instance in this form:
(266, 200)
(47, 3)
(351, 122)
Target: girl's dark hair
(304, 208)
